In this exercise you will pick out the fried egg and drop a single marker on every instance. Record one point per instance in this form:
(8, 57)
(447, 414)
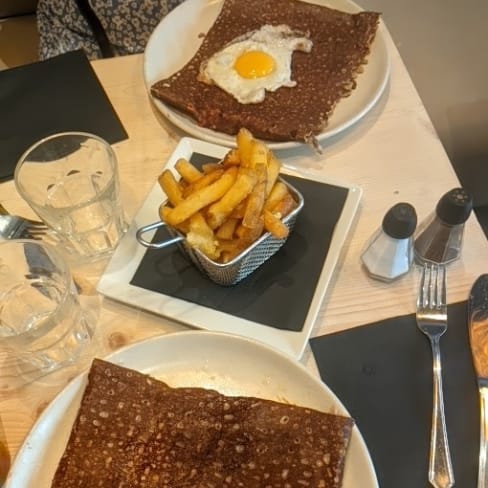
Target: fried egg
(256, 62)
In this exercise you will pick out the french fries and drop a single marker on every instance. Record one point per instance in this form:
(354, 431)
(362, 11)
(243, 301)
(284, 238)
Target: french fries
(274, 225)
(203, 181)
(242, 187)
(170, 186)
(273, 169)
(187, 171)
(278, 192)
(227, 229)
(201, 198)
(255, 202)
(244, 147)
(224, 208)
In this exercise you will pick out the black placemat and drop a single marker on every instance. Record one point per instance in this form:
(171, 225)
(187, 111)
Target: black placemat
(278, 293)
(57, 95)
(383, 374)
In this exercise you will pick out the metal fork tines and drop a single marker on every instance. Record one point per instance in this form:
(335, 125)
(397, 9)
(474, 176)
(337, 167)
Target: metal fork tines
(15, 227)
(432, 321)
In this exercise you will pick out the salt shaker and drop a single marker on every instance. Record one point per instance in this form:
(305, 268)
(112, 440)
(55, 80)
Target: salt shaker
(440, 236)
(389, 253)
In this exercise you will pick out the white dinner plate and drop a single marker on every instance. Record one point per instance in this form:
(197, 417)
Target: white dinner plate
(178, 36)
(192, 358)
(116, 279)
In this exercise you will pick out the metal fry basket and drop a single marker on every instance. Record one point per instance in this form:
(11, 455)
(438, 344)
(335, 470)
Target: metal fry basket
(243, 264)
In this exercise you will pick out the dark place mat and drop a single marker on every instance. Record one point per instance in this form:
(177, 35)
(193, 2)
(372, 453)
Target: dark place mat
(382, 373)
(57, 95)
(279, 292)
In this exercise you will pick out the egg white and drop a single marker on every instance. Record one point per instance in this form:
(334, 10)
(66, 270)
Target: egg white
(279, 42)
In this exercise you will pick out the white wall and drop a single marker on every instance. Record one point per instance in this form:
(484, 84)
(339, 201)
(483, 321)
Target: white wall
(444, 44)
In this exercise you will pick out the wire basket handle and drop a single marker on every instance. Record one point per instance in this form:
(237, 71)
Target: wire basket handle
(156, 245)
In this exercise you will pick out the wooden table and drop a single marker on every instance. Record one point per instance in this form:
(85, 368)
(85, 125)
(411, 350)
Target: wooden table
(394, 154)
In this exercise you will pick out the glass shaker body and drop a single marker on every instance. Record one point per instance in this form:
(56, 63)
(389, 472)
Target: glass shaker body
(438, 242)
(440, 236)
(387, 258)
(389, 253)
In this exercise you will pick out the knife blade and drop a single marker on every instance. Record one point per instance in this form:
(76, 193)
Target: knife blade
(478, 338)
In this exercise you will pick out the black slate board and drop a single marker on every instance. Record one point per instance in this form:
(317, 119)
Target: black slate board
(382, 373)
(277, 294)
(57, 95)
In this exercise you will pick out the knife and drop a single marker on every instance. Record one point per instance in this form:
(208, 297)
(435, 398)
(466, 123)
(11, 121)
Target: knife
(478, 337)
(4, 456)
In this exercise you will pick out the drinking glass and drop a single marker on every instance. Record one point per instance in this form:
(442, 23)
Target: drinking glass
(41, 320)
(71, 181)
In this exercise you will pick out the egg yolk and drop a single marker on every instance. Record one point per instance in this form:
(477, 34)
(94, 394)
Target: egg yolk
(254, 64)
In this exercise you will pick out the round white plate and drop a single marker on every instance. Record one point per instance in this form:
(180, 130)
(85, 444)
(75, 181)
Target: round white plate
(230, 364)
(179, 35)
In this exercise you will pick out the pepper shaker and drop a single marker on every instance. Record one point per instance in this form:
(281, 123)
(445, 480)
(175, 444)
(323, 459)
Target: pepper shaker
(389, 253)
(440, 236)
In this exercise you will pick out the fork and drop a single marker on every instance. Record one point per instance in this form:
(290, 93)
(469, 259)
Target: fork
(16, 227)
(432, 321)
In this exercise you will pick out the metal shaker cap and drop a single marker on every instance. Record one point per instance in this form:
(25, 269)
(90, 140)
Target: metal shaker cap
(454, 207)
(400, 221)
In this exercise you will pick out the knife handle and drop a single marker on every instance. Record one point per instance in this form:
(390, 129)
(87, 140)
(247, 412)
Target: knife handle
(482, 471)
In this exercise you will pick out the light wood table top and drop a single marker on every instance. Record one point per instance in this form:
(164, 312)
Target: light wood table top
(393, 153)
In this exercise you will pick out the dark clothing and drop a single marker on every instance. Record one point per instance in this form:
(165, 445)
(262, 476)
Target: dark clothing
(127, 25)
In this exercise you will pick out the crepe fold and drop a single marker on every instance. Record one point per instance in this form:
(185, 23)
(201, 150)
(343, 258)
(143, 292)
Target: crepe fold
(134, 431)
(341, 44)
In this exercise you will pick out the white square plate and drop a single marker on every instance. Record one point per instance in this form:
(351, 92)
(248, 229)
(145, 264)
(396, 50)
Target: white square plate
(116, 280)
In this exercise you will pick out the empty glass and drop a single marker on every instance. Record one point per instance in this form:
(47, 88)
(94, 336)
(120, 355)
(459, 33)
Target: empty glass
(71, 181)
(41, 319)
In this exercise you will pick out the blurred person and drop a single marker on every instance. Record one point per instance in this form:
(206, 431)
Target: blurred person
(102, 28)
